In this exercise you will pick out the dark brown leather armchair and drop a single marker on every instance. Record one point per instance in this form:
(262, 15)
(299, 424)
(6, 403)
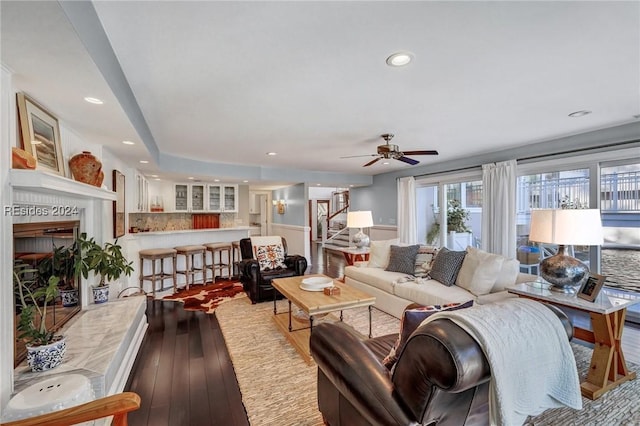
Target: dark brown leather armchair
(257, 283)
(441, 377)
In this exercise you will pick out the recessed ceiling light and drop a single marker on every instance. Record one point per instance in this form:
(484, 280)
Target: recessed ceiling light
(399, 59)
(216, 180)
(245, 181)
(154, 175)
(128, 143)
(94, 101)
(580, 113)
(144, 162)
(272, 153)
(318, 184)
(350, 186)
(191, 178)
(157, 179)
(385, 162)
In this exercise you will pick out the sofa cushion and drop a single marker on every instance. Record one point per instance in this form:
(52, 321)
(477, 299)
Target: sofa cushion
(412, 317)
(508, 275)
(270, 257)
(424, 260)
(375, 277)
(402, 259)
(479, 271)
(379, 252)
(431, 292)
(446, 266)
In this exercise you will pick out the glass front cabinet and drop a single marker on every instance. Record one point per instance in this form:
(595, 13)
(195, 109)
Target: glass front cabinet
(223, 198)
(189, 197)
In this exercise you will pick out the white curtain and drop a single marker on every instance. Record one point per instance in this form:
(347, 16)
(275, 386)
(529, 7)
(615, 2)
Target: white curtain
(499, 208)
(407, 218)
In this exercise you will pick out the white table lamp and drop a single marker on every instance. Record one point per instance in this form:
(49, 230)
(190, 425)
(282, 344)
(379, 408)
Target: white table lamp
(360, 219)
(565, 227)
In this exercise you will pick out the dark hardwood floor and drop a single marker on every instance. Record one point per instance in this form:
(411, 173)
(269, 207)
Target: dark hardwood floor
(184, 375)
(183, 372)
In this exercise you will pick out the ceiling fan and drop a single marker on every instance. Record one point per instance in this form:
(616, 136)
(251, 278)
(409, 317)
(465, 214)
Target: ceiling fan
(388, 150)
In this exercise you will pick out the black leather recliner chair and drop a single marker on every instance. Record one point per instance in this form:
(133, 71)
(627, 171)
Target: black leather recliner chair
(257, 283)
(441, 377)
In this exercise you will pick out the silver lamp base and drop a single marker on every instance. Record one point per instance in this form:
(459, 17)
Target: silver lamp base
(565, 273)
(361, 239)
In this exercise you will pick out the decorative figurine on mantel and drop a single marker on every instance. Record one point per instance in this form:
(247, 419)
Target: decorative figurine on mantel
(86, 168)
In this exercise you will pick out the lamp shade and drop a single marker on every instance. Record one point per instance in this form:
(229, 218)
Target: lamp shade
(359, 219)
(566, 226)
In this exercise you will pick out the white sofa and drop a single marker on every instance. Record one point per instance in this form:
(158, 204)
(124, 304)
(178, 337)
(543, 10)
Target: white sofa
(395, 290)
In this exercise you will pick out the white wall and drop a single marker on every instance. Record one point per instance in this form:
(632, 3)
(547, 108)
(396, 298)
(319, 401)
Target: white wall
(96, 216)
(7, 140)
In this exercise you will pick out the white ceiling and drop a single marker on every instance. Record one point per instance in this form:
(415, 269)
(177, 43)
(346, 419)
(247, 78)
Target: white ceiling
(226, 82)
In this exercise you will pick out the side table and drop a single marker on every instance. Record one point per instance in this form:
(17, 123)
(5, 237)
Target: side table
(608, 368)
(351, 254)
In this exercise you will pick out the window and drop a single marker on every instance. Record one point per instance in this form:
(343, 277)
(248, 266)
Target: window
(463, 198)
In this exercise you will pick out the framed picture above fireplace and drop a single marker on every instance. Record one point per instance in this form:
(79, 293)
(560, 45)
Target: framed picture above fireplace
(40, 135)
(118, 205)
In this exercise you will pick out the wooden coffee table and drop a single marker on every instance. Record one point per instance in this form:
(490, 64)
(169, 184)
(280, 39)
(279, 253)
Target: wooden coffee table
(314, 303)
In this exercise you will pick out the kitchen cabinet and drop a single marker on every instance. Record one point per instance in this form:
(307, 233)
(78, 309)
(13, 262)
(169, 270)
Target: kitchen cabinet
(223, 198)
(189, 197)
(142, 193)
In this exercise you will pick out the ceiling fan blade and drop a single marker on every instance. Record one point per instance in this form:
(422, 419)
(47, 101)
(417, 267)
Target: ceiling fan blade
(408, 160)
(420, 152)
(355, 156)
(371, 162)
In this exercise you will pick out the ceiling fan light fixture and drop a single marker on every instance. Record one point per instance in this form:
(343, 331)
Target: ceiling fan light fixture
(400, 59)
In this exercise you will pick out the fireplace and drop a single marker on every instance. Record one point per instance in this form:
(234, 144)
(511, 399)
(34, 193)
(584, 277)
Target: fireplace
(35, 244)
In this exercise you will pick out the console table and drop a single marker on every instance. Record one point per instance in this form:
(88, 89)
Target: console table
(351, 254)
(608, 368)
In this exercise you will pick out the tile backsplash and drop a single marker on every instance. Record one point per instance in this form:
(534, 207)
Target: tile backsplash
(172, 221)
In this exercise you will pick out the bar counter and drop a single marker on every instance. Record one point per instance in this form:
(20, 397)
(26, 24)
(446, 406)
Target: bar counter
(134, 242)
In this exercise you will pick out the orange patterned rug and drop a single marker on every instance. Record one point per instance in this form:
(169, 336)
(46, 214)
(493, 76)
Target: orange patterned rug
(207, 298)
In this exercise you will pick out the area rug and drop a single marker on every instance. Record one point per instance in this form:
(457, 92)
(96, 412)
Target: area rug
(278, 387)
(208, 297)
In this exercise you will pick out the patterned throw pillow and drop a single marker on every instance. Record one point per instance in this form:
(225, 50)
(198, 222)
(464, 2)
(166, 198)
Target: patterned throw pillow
(446, 266)
(402, 259)
(412, 317)
(270, 257)
(424, 260)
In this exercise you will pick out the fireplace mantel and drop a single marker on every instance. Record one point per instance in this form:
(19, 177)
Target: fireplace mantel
(38, 181)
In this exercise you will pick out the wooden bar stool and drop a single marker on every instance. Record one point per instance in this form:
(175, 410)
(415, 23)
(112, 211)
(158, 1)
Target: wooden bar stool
(220, 265)
(190, 271)
(154, 255)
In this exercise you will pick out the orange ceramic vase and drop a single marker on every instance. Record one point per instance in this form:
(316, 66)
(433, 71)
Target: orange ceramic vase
(86, 168)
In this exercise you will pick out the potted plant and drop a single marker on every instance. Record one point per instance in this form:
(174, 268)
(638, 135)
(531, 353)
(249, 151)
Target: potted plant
(106, 261)
(459, 234)
(45, 349)
(61, 264)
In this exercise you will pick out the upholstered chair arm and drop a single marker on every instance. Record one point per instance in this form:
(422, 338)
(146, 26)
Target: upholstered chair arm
(357, 374)
(297, 263)
(250, 268)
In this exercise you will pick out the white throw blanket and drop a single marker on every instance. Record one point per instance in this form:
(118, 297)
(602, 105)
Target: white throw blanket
(532, 365)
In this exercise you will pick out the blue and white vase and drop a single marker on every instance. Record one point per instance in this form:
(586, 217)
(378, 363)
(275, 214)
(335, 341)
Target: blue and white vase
(69, 297)
(101, 294)
(46, 357)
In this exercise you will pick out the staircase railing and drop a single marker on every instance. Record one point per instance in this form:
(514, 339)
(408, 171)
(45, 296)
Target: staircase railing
(339, 203)
(334, 236)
